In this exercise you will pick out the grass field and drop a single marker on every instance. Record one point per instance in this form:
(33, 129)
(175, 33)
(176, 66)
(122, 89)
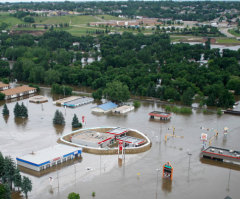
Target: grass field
(11, 21)
(73, 20)
(110, 17)
(227, 41)
(234, 33)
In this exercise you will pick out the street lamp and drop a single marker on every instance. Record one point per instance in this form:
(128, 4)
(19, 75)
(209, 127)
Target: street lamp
(157, 182)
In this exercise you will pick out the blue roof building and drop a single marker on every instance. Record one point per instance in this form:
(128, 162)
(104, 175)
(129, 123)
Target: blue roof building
(104, 108)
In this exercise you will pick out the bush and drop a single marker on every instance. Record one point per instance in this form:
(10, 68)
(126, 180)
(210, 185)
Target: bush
(2, 96)
(136, 104)
(73, 196)
(175, 109)
(219, 111)
(35, 86)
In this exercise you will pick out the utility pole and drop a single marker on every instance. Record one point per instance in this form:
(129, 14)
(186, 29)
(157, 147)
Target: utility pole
(157, 183)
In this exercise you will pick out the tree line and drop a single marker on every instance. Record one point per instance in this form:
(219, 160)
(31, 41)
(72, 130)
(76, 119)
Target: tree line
(11, 179)
(147, 65)
(188, 10)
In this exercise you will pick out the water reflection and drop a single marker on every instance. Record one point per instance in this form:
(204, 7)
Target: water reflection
(59, 128)
(21, 121)
(166, 185)
(6, 117)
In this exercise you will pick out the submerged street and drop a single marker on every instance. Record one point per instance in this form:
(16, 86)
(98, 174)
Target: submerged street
(141, 177)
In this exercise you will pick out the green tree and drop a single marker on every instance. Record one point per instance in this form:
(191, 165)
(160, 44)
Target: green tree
(17, 110)
(187, 97)
(1, 165)
(5, 192)
(73, 196)
(117, 92)
(136, 104)
(24, 111)
(58, 118)
(97, 94)
(5, 110)
(17, 179)
(75, 122)
(9, 171)
(26, 185)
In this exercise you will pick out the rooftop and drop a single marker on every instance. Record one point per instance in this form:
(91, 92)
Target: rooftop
(82, 100)
(118, 131)
(107, 106)
(222, 151)
(48, 154)
(93, 136)
(160, 114)
(123, 108)
(17, 90)
(132, 140)
(3, 85)
(66, 99)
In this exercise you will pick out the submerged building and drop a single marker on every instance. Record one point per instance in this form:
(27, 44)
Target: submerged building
(48, 157)
(18, 92)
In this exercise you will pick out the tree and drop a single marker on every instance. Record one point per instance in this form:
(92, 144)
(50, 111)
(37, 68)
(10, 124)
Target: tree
(75, 122)
(9, 171)
(17, 179)
(117, 92)
(97, 95)
(136, 104)
(58, 118)
(24, 111)
(5, 110)
(1, 165)
(187, 97)
(73, 196)
(26, 185)
(20, 111)
(5, 192)
(17, 110)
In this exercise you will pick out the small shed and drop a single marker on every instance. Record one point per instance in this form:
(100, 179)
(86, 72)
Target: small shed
(104, 108)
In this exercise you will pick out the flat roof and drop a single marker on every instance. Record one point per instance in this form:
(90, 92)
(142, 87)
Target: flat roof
(160, 114)
(3, 85)
(93, 136)
(44, 156)
(82, 100)
(20, 89)
(124, 107)
(222, 151)
(38, 98)
(66, 99)
(118, 131)
(132, 140)
(107, 106)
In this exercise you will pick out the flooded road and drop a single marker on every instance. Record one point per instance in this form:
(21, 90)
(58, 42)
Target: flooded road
(139, 177)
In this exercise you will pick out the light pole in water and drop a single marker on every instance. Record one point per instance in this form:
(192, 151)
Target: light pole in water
(157, 183)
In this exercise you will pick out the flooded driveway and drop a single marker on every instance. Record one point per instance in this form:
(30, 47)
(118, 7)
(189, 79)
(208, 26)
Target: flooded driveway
(139, 178)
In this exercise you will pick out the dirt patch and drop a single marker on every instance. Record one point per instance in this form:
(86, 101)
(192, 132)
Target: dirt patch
(31, 32)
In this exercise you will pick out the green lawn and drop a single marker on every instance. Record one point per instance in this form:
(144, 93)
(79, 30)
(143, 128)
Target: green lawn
(232, 31)
(227, 41)
(11, 21)
(71, 19)
(110, 17)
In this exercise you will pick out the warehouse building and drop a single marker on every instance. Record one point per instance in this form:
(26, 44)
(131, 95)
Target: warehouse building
(48, 157)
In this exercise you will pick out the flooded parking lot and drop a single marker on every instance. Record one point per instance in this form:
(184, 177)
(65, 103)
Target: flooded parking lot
(192, 178)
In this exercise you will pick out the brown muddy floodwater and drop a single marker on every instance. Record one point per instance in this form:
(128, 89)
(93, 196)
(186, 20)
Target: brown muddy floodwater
(192, 177)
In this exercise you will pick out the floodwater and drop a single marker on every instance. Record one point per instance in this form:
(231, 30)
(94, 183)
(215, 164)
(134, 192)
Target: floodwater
(138, 177)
